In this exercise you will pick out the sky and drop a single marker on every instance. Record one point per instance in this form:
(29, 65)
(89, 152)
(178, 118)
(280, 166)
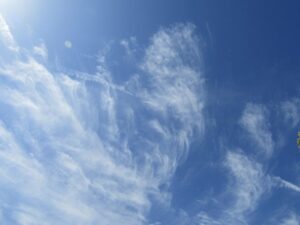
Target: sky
(149, 112)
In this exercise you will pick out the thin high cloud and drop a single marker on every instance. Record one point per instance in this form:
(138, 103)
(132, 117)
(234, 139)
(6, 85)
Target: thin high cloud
(41, 50)
(249, 179)
(78, 149)
(291, 219)
(278, 181)
(247, 183)
(6, 36)
(291, 112)
(255, 121)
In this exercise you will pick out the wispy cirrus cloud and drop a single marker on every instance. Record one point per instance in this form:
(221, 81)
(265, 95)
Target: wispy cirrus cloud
(255, 121)
(203, 219)
(278, 181)
(6, 36)
(249, 183)
(291, 219)
(41, 50)
(78, 149)
(291, 111)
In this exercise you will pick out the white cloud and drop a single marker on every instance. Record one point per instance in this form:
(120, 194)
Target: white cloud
(203, 219)
(291, 112)
(278, 181)
(249, 182)
(255, 121)
(248, 185)
(174, 75)
(292, 219)
(6, 36)
(51, 155)
(79, 149)
(130, 45)
(41, 50)
(171, 88)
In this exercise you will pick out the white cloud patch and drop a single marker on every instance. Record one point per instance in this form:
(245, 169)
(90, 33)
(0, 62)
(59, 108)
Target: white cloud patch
(203, 219)
(6, 36)
(171, 72)
(130, 45)
(292, 219)
(41, 50)
(248, 185)
(291, 112)
(81, 150)
(255, 121)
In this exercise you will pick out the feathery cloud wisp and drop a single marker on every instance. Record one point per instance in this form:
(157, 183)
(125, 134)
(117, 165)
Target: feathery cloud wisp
(291, 111)
(248, 185)
(255, 121)
(292, 219)
(6, 36)
(41, 50)
(78, 150)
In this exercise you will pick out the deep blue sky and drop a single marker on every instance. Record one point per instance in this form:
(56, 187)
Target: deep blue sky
(149, 112)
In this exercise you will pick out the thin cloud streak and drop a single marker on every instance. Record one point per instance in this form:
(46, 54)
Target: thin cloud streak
(6, 36)
(248, 185)
(41, 50)
(255, 122)
(286, 184)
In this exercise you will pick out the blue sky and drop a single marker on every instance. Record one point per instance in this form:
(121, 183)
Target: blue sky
(149, 112)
